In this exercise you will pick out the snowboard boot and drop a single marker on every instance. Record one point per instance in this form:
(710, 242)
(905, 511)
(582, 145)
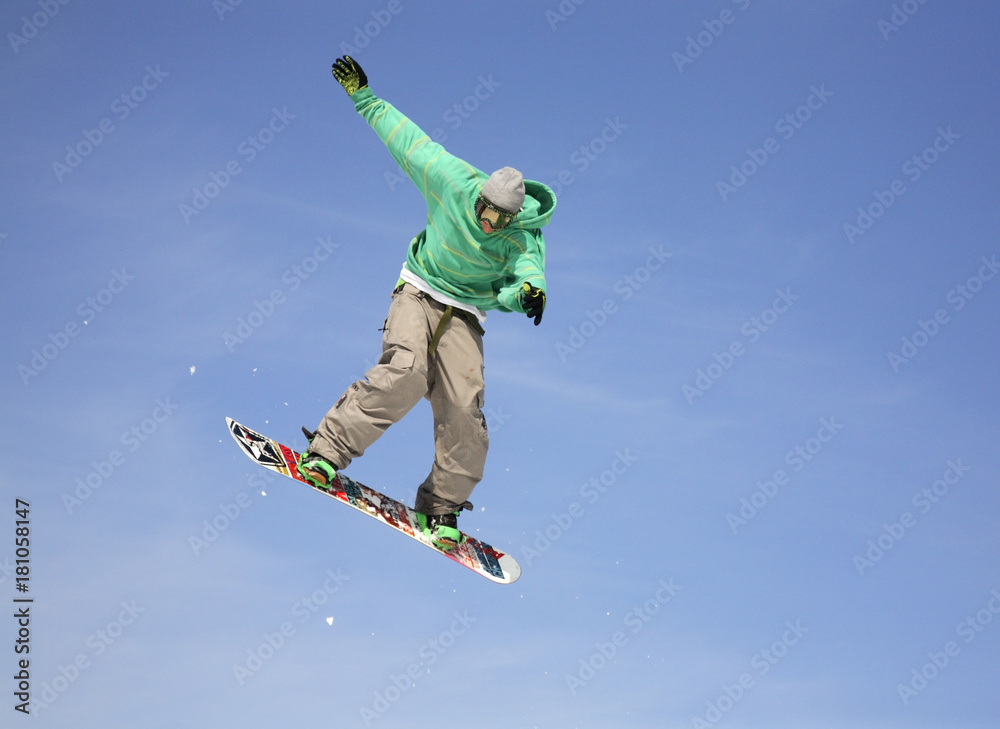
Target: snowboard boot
(317, 471)
(442, 529)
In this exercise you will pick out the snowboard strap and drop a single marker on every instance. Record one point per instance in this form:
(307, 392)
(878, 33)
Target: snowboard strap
(439, 332)
(471, 320)
(449, 312)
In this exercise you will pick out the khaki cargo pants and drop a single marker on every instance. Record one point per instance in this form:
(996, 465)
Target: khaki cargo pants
(450, 377)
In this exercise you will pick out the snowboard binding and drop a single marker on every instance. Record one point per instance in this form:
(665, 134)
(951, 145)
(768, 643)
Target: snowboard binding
(317, 471)
(441, 529)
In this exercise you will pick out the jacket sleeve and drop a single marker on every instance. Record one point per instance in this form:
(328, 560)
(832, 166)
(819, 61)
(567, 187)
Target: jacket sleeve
(526, 264)
(416, 153)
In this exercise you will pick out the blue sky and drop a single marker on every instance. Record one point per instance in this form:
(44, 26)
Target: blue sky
(748, 461)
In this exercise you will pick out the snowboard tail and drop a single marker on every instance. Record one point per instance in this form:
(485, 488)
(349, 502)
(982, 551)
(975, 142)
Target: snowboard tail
(478, 556)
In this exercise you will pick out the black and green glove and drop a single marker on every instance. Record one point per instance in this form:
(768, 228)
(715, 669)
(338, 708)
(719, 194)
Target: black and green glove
(533, 301)
(349, 74)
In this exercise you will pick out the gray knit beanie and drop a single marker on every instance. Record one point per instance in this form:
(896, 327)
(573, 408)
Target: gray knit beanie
(505, 189)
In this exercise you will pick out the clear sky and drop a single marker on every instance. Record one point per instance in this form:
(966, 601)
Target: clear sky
(748, 461)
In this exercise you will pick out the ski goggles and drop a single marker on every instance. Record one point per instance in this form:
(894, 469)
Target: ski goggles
(487, 212)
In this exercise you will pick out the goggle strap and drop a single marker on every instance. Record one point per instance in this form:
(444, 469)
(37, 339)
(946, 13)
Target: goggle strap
(505, 218)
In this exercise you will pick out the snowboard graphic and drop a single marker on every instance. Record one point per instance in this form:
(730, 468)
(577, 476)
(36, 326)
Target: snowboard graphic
(472, 553)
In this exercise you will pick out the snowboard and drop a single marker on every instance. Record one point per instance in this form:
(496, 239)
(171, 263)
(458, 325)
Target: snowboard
(472, 553)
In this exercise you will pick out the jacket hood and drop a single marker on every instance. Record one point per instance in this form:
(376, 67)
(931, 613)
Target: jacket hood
(539, 204)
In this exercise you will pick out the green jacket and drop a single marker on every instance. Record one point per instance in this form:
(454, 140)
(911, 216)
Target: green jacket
(452, 254)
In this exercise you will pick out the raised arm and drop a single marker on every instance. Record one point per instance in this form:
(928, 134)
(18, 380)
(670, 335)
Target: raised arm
(415, 152)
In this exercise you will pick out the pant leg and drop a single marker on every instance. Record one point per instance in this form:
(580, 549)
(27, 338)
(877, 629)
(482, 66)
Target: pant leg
(461, 439)
(390, 389)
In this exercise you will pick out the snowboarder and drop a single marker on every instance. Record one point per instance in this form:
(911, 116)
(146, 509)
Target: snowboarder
(482, 250)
